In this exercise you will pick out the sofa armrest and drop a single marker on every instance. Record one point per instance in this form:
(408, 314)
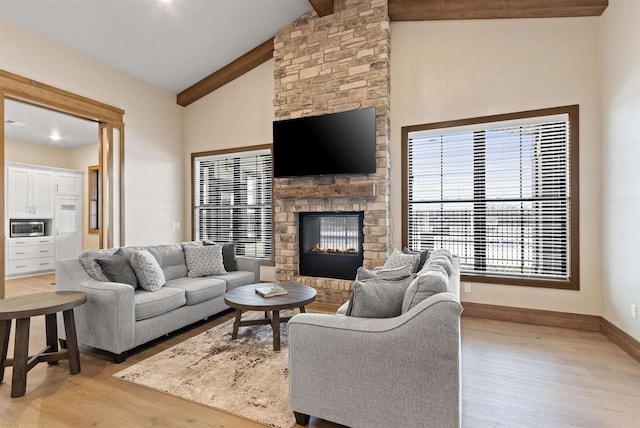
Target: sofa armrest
(106, 320)
(395, 372)
(249, 264)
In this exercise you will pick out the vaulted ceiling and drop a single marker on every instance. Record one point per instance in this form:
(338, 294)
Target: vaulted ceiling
(191, 47)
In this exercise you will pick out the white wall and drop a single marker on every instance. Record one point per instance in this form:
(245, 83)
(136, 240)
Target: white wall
(36, 154)
(620, 41)
(446, 70)
(154, 167)
(238, 114)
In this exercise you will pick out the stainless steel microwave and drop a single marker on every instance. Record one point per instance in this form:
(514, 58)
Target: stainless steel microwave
(21, 228)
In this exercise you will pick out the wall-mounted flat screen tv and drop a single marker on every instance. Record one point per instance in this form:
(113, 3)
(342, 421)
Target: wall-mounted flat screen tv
(336, 143)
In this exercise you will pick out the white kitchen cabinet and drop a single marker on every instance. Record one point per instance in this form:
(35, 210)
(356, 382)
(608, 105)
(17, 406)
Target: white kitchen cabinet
(68, 227)
(68, 183)
(29, 192)
(30, 255)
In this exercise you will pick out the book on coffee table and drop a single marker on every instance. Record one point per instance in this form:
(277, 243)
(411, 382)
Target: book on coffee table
(271, 291)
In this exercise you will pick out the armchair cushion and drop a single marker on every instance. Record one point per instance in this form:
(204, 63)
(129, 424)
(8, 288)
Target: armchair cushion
(425, 285)
(378, 298)
(401, 271)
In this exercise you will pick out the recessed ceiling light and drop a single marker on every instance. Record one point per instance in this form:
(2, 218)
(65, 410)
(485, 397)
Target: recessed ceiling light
(55, 136)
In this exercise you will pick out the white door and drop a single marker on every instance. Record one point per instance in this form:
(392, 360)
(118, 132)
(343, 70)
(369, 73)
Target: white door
(68, 227)
(42, 191)
(19, 192)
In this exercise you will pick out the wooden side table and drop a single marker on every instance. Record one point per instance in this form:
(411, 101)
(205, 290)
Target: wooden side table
(22, 308)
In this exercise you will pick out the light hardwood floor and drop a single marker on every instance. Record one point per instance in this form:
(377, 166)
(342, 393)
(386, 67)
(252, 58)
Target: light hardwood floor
(513, 375)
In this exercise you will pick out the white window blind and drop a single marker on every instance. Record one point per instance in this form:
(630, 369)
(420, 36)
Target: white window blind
(495, 194)
(233, 200)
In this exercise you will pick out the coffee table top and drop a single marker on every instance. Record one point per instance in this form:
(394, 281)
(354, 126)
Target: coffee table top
(35, 304)
(246, 298)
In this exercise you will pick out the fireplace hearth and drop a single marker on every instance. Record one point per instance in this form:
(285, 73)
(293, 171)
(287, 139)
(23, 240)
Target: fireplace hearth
(331, 244)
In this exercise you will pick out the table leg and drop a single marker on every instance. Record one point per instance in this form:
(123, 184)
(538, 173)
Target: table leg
(72, 341)
(52, 334)
(236, 324)
(275, 324)
(5, 330)
(302, 310)
(20, 358)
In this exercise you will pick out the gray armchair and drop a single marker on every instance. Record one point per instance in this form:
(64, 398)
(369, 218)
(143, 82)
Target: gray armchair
(392, 372)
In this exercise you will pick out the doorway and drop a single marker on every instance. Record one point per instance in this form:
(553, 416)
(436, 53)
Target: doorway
(110, 143)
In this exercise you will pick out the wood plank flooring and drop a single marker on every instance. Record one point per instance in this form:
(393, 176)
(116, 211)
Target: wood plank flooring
(514, 375)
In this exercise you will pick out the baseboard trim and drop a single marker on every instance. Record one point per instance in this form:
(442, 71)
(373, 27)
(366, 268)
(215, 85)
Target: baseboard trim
(532, 316)
(556, 319)
(627, 343)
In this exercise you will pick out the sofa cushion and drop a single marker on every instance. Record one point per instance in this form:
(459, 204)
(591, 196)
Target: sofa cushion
(425, 285)
(148, 271)
(228, 255)
(87, 259)
(198, 290)
(380, 272)
(204, 261)
(238, 278)
(398, 258)
(424, 255)
(150, 304)
(438, 261)
(117, 268)
(171, 259)
(378, 298)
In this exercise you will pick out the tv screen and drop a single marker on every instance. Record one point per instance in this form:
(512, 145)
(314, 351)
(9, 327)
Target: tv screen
(336, 143)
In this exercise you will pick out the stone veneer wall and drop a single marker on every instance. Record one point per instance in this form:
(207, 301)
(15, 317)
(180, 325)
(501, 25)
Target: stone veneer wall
(325, 65)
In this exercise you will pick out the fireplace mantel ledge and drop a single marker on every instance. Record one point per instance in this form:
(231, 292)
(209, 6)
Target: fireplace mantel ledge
(327, 191)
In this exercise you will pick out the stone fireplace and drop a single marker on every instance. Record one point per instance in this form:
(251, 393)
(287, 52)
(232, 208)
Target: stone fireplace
(326, 65)
(330, 244)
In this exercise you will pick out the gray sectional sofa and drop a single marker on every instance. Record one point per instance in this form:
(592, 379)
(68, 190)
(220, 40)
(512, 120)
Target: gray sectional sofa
(401, 371)
(118, 317)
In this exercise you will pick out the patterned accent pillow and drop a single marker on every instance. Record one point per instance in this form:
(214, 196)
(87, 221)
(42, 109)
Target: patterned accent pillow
(228, 255)
(424, 255)
(147, 270)
(398, 259)
(204, 261)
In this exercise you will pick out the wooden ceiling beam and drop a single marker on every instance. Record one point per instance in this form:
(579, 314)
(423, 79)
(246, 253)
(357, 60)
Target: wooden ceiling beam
(434, 10)
(226, 74)
(322, 7)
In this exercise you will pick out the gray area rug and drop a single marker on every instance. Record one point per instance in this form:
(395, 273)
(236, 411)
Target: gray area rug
(244, 377)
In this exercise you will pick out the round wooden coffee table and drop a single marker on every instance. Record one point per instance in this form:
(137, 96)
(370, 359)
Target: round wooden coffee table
(245, 298)
(21, 309)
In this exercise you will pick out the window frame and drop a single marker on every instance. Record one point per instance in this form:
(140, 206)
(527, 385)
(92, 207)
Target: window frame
(195, 155)
(573, 282)
(93, 176)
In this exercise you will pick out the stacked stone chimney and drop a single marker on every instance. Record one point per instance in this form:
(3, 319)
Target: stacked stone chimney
(326, 65)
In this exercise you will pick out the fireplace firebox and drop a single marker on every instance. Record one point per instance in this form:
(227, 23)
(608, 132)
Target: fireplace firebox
(331, 244)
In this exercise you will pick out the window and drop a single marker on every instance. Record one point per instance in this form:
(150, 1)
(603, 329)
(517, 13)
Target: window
(500, 192)
(232, 199)
(94, 198)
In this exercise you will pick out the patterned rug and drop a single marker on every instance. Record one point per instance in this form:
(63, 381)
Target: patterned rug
(244, 377)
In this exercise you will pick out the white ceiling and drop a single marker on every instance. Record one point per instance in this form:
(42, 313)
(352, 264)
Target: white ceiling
(170, 44)
(40, 122)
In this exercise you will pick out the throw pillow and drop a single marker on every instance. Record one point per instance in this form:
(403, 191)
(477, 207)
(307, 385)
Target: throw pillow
(441, 261)
(117, 268)
(147, 270)
(398, 258)
(204, 261)
(378, 298)
(442, 252)
(424, 255)
(364, 273)
(425, 285)
(228, 255)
